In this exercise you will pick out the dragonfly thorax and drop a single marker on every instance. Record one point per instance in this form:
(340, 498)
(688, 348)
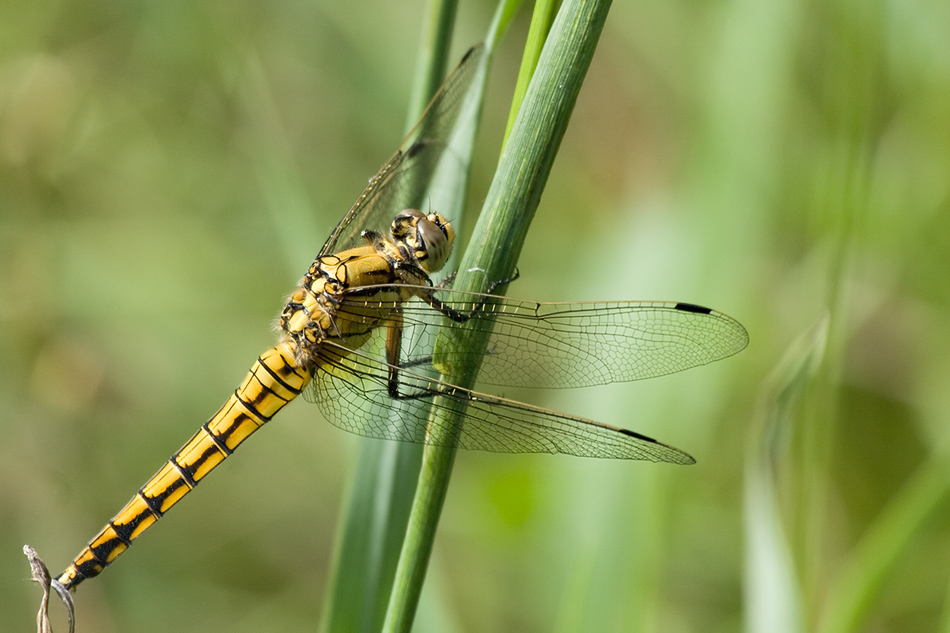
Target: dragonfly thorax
(384, 272)
(426, 240)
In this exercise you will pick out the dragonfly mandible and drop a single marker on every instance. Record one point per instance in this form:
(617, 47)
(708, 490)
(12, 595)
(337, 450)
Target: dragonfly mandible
(357, 338)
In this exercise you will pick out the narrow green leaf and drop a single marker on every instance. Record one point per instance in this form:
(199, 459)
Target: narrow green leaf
(541, 19)
(855, 592)
(771, 584)
(511, 202)
(373, 523)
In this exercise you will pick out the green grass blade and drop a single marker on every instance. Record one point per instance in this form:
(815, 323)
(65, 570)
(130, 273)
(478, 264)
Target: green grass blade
(541, 19)
(771, 585)
(874, 559)
(373, 522)
(432, 57)
(512, 199)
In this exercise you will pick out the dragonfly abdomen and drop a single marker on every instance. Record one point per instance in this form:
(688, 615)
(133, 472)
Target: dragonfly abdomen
(273, 381)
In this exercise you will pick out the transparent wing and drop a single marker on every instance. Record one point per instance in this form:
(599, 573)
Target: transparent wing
(351, 387)
(558, 345)
(402, 181)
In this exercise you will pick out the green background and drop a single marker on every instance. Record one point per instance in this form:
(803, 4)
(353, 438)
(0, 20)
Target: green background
(169, 170)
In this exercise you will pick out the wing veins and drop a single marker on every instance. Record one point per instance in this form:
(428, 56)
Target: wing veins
(525, 427)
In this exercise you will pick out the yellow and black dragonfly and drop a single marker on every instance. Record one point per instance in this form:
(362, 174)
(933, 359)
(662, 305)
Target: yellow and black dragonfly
(358, 333)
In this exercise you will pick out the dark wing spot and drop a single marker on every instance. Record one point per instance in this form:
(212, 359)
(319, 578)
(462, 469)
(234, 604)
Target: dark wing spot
(469, 53)
(415, 148)
(691, 307)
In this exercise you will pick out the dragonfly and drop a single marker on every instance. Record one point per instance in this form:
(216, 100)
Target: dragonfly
(356, 338)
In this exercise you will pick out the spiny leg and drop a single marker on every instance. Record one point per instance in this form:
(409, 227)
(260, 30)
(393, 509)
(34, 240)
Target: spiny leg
(394, 334)
(461, 316)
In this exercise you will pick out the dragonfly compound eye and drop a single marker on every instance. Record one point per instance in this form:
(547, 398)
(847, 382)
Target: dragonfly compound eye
(433, 242)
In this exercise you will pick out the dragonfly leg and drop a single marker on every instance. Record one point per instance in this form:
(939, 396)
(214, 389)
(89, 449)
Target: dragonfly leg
(445, 283)
(461, 316)
(393, 350)
(416, 362)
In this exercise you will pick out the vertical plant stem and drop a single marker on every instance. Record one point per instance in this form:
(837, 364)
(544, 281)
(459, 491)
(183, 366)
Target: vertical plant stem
(541, 19)
(512, 199)
(373, 523)
(856, 589)
(433, 54)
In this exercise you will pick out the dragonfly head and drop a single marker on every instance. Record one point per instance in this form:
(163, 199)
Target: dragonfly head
(428, 238)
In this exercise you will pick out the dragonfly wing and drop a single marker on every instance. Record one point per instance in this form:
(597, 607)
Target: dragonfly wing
(402, 181)
(351, 387)
(565, 345)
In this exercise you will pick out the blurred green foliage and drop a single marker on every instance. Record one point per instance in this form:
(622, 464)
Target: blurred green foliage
(168, 170)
